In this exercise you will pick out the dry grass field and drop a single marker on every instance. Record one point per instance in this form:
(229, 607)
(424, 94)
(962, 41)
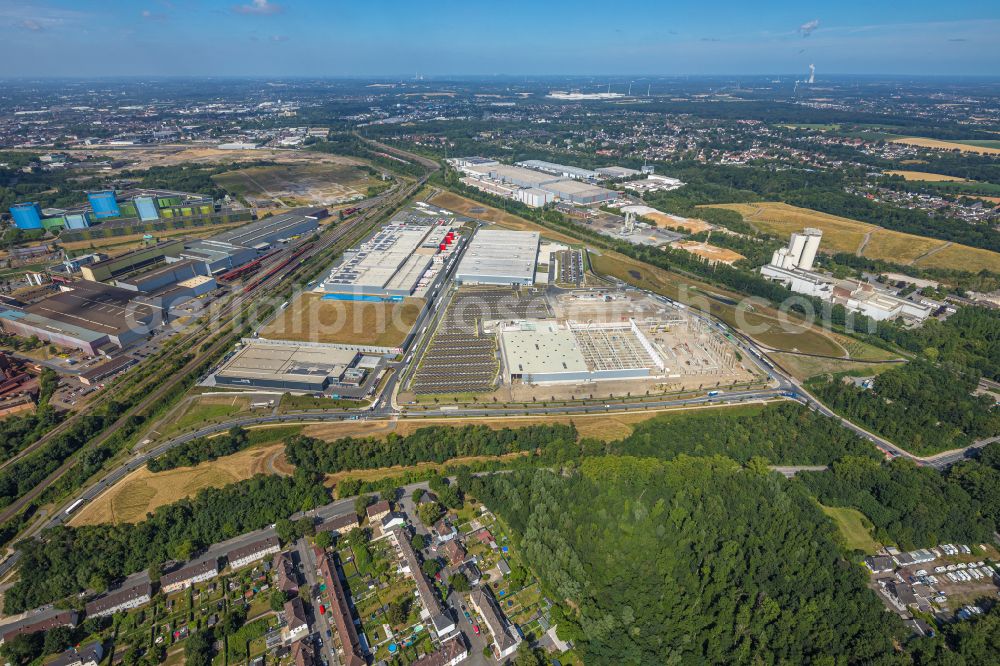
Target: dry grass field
(708, 252)
(841, 234)
(142, 491)
(144, 157)
(479, 211)
(690, 224)
(947, 145)
(309, 318)
(923, 176)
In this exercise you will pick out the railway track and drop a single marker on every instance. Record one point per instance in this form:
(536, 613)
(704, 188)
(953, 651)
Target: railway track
(348, 231)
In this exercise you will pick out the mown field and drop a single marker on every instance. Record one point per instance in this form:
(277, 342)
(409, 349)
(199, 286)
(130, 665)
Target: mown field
(854, 528)
(964, 146)
(922, 176)
(841, 234)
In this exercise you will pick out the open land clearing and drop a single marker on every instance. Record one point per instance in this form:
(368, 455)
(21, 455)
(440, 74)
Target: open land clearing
(841, 234)
(143, 491)
(206, 410)
(923, 176)
(854, 527)
(947, 145)
(310, 318)
(144, 157)
(297, 184)
(804, 367)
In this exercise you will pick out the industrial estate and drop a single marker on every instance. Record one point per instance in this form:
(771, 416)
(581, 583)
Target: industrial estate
(418, 372)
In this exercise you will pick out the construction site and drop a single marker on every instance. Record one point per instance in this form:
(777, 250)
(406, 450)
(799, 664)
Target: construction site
(518, 345)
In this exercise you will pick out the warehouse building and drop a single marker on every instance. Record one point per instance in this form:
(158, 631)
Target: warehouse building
(89, 316)
(390, 264)
(108, 269)
(217, 257)
(286, 366)
(163, 276)
(617, 172)
(499, 257)
(579, 192)
(514, 175)
(560, 170)
(265, 233)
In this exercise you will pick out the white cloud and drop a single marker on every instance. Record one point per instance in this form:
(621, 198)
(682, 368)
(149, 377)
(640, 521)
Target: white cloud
(279, 38)
(808, 27)
(259, 7)
(32, 24)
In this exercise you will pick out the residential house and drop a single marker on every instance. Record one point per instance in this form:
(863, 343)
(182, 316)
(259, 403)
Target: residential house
(302, 653)
(253, 552)
(455, 552)
(339, 524)
(120, 600)
(33, 625)
(377, 511)
(285, 576)
(452, 652)
(503, 567)
(444, 531)
(342, 619)
(433, 610)
(90, 655)
(878, 564)
(391, 521)
(505, 638)
(472, 572)
(185, 577)
(296, 624)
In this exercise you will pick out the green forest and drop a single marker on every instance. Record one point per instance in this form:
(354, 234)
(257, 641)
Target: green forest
(922, 407)
(694, 560)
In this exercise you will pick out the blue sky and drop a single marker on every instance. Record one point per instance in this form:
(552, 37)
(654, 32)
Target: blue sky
(450, 37)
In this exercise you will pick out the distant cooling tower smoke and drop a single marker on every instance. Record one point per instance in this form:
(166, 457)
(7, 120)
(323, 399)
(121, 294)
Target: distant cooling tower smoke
(812, 73)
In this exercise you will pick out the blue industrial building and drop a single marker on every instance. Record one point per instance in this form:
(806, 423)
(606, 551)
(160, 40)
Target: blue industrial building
(146, 208)
(27, 215)
(104, 204)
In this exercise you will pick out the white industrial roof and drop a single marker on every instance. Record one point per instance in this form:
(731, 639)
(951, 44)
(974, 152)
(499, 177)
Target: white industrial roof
(500, 253)
(544, 349)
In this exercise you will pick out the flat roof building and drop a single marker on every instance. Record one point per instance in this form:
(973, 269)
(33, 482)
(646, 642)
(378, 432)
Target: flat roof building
(390, 263)
(514, 175)
(85, 315)
(562, 170)
(500, 257)
(269, 230)
(579, 192)
(102, 271)
(286, 366)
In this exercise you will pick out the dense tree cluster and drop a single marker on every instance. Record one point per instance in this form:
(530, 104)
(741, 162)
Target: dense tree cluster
(695, 560)
(911, 506)
(433, 444)
(200, 450)
(970, 338)
(922, 407)
(69, 560)
(787, 434)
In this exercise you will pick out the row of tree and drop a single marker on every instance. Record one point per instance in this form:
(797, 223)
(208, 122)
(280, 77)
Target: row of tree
(432, 444)
(69, 560)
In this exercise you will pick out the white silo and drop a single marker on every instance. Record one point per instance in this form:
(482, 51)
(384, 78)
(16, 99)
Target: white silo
(795, 247)
(812, 238)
